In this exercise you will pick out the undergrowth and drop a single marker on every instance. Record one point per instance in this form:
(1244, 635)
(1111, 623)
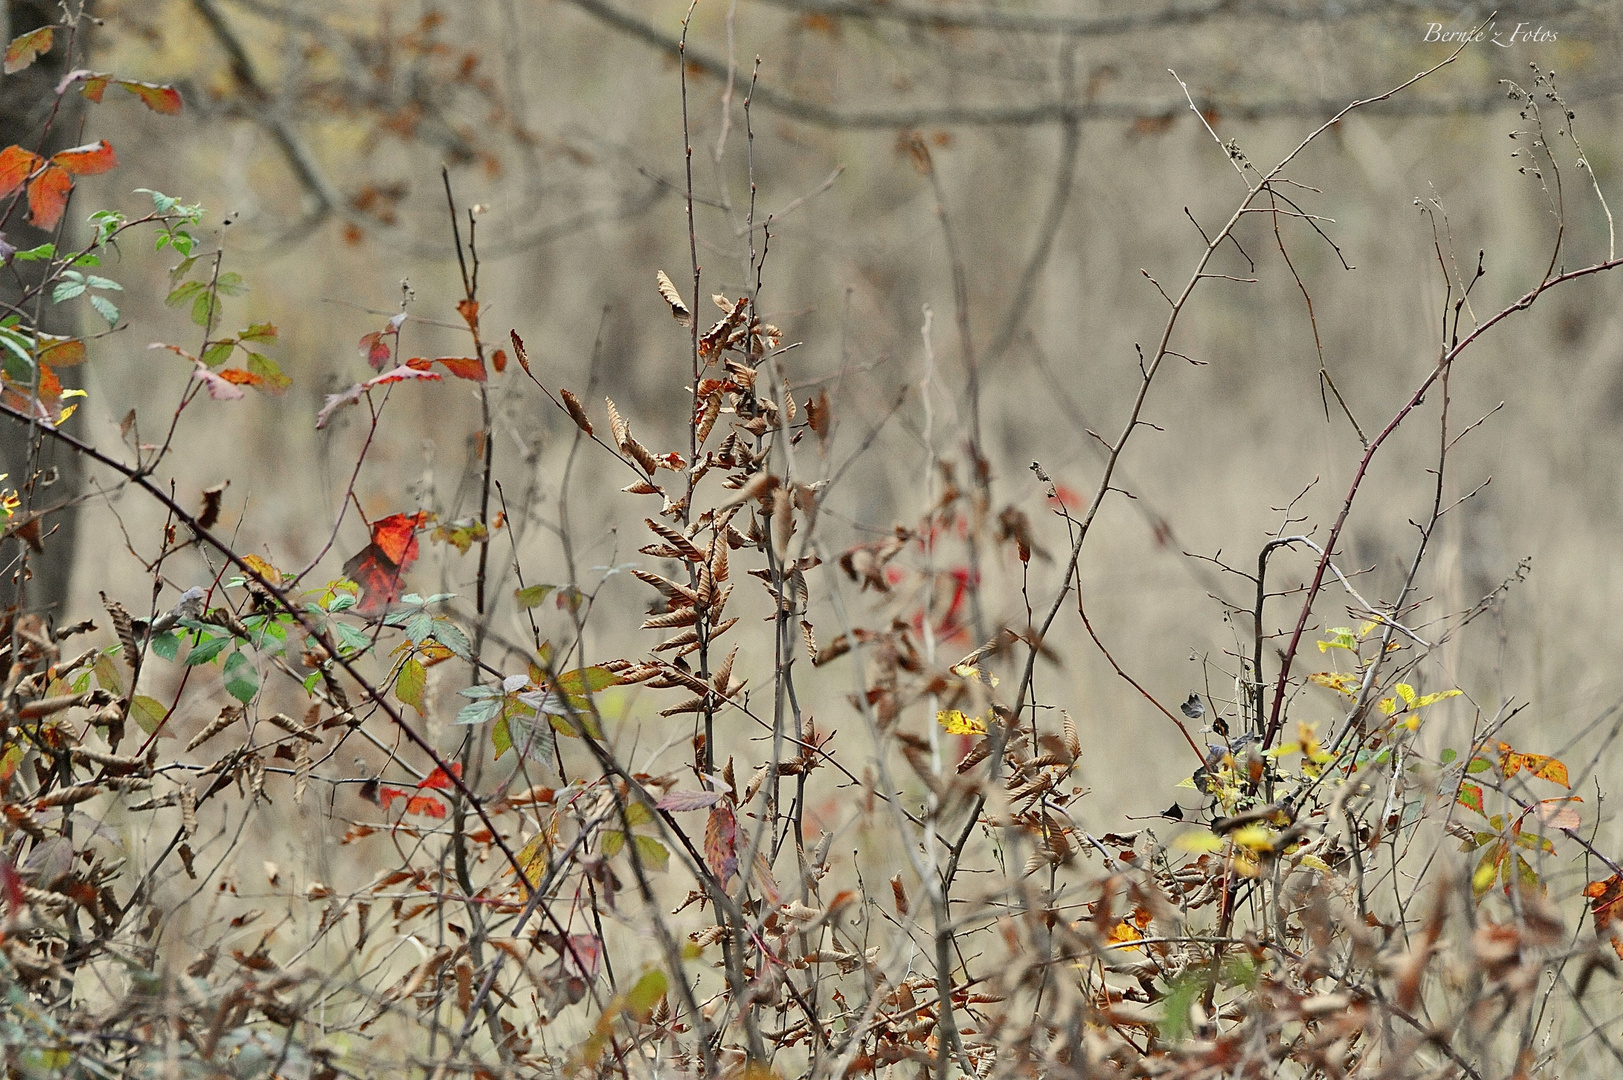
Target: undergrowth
(530, 890)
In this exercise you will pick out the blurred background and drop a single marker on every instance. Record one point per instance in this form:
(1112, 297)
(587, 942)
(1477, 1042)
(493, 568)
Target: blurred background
(1048, 152)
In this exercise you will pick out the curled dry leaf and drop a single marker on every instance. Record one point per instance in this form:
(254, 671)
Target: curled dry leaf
(577, 411)
(679, 310)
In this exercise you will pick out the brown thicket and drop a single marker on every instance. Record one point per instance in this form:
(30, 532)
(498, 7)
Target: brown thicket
(825, 815)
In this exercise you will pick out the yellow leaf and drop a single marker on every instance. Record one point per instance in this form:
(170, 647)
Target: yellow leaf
(970, 671)
(1313, 862)
(1406, 692)
(1200, 841)
(956, 723)
(1335, 680)
(1256, 837)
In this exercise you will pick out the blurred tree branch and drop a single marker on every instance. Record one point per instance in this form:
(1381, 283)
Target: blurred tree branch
(1056, 111)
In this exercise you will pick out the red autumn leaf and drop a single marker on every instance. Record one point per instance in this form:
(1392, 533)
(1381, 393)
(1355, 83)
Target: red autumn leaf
(48, 197)
(388, 795)
(720, 841)
(425, 804)
(1603, 901)
(16, 166)
(87, 160)
(498, 360)
(374, 350)
(160, 99)
(23, 50)
(396, 536)
(438, 779)
(377, 569)
(469, 310)
(463, 367)
(219, 387)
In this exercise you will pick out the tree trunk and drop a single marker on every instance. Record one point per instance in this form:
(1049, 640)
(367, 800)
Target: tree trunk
(43, 473)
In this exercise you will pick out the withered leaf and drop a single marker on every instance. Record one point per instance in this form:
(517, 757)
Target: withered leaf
(679, 310)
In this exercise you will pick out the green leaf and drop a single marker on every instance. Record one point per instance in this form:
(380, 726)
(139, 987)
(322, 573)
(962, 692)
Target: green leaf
(258, 332)
(241, 680)
(184, 294)
(452, 638)
(409, 686)
(1479, 765)
(107, 676)
(36, 254)
(638, 814)
(534, 739)
(613, 841)
(147, 712)
(584, 681)
(419, 626)
(479, 712)
(167, 645)
(66, 290)
(1487, 868)
(1447, 756)
(205, 307)
(205, 651)
(350, 639)
(532, 595)
(218, 352)
(230, 284)
(501, 740)
(643, 998)
(1470, 797)
(96, 282)
(106, 309)
(269, 371)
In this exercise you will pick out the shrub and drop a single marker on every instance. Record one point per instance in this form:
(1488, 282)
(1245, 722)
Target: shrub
(546, 904)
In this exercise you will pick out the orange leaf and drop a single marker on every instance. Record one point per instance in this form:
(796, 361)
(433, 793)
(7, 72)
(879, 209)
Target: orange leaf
(1603, 898)
(87, 160)
(16, 166)
(219, 387)
(61, 352)
(425, 804)
(469, 310)
(438, 778)
(377, 568)
(22, 50)
(160, 99)
(95, 85)
(463, 367)
(240, 377)
(1540, 765)
(48, 197)
(499, 360)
